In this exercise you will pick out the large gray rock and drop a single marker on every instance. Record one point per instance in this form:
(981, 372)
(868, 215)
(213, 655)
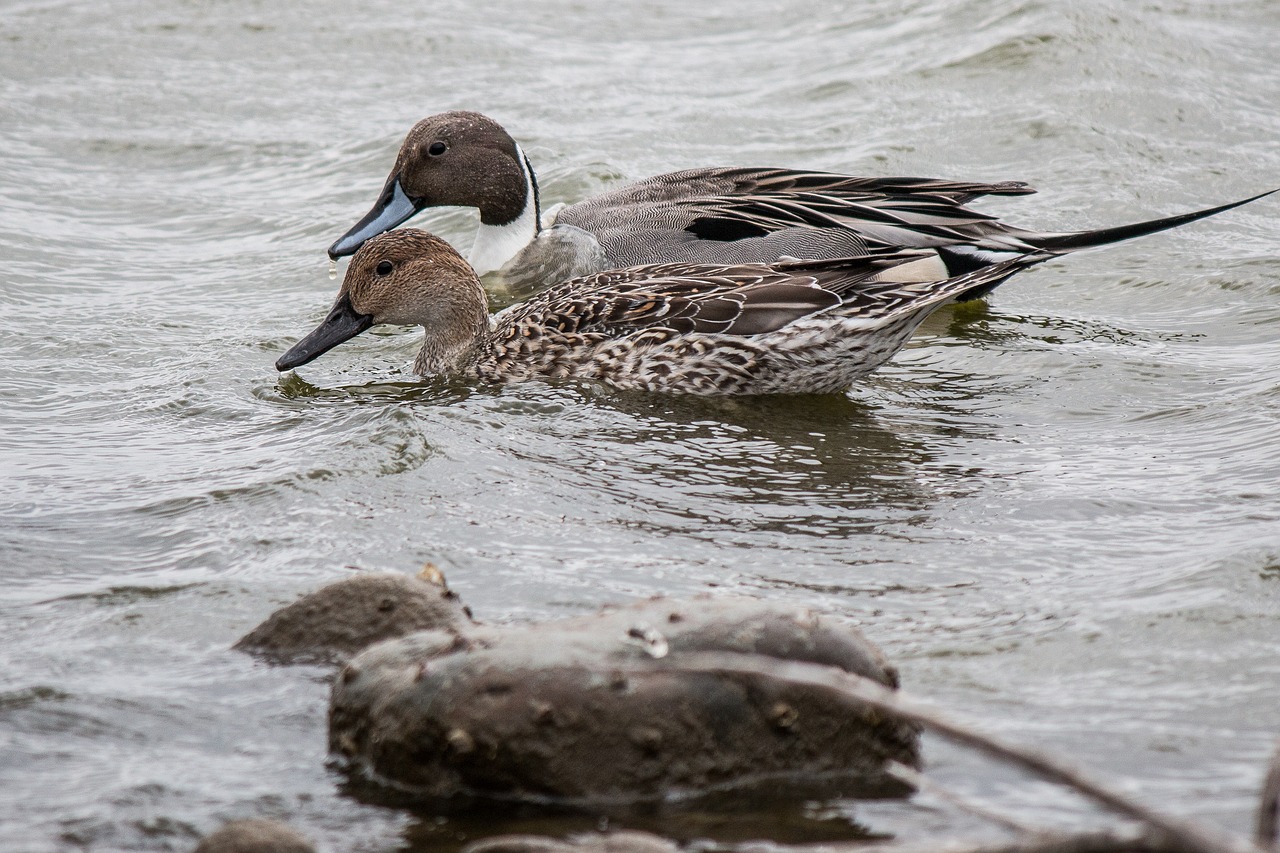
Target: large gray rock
(338, 620)
(598, 709)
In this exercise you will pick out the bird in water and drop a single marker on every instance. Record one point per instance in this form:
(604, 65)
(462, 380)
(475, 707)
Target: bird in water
(723, 216)
(813, 326)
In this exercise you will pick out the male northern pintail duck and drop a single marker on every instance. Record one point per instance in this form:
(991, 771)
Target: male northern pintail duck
(704, 216)
(788, 327)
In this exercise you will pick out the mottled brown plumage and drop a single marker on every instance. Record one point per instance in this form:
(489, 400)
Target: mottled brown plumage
(787, 327)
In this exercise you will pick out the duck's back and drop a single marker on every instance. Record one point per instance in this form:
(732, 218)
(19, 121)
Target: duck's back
(742, 215)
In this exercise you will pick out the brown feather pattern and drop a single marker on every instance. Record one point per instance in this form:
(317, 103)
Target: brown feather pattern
(805, 326)
(811, 326)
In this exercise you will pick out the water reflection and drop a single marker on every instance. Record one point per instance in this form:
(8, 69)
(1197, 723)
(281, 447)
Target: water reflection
(788, 815)
(295, 388)
(977, 322)
(821, 465)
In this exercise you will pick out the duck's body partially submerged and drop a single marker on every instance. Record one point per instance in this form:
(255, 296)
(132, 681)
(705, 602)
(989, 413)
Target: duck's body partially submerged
(720, 216)
(787, 327)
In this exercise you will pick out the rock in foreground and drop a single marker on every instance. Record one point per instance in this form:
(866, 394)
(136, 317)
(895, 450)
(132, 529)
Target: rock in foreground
(338, 620)
(255, 836)
(597, 709)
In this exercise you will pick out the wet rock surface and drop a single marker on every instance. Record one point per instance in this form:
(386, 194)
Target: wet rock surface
(598, 710)
(338, 620)
(255, 836)
(598, 842)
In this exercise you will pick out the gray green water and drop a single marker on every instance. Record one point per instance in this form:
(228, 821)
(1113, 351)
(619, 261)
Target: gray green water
(1059, 513)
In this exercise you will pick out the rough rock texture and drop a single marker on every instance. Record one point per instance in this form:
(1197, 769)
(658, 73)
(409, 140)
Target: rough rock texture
(255, 836)
(604, 842)
(547, 712)
(338, 620)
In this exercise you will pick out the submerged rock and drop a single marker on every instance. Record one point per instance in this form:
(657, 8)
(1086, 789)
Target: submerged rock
(338, 620)
(255, 836)
(598, 709)
(595, 842)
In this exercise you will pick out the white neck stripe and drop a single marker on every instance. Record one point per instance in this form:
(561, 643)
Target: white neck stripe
(496, 244)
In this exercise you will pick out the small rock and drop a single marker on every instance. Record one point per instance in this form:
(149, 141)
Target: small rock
(255, 836)
(338, 620)
(783, 715)
(596, 842)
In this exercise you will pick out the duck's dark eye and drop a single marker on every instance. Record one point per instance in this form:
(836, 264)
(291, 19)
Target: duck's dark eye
(437, 148)
(384, 268)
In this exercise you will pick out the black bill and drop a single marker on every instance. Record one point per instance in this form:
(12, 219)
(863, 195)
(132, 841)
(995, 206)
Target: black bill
(342, 324)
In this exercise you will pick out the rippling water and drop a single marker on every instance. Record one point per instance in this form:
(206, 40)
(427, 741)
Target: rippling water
(1059, 511)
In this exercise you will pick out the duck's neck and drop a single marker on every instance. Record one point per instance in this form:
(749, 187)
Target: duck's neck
(495, 245)
(455, 333)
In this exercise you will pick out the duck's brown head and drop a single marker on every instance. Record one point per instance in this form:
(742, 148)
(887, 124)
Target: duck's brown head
(461, 159)
(403, 277)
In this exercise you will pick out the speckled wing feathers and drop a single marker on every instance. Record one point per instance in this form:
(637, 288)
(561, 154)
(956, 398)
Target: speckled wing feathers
(744, 299)
(811, 326)
(749, 299)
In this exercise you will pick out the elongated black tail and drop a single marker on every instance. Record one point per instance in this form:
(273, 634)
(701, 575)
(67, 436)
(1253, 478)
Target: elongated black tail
(1074, 240)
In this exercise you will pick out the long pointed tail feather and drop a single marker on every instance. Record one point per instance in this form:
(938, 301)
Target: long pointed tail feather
(1075, 240)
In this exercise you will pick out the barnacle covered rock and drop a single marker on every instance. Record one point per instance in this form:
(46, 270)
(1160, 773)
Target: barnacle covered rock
(599, 709)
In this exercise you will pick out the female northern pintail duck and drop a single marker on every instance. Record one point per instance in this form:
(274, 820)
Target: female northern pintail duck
(786, 327)
(714, 216)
